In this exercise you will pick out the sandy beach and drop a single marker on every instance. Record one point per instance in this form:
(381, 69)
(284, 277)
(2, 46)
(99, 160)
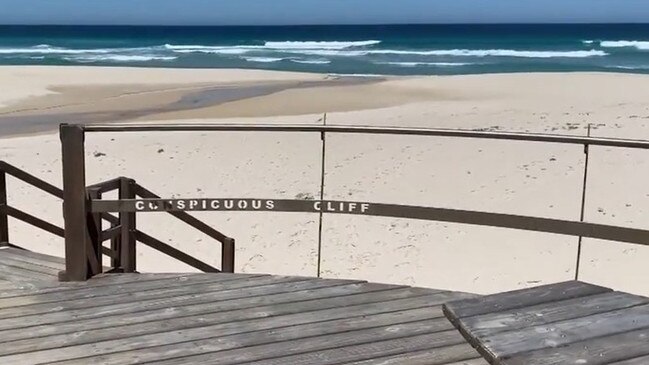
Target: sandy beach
(535, 179)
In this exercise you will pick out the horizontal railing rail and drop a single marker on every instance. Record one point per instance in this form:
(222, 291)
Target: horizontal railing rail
(296, 128)
(536, 224)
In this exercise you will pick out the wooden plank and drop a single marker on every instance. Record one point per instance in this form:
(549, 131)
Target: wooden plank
(506, 344)
(82, 332)
(597, 351)
(65, 305)
(430, 356)
(7, 260)
(400, 346)
(489, 324)
(35, 255)
(375, 339)
(42, 260)
(6, 285)
(312, 296)
(93, 292)
(251, 346)
(245, 298)
(101, 280)
(13, 273)
(478, 361)
(520, 298)
(642, 360)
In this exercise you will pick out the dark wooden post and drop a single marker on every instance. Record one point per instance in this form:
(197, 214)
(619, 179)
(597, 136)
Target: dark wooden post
(115, 246)
(4, 220)
(127, 221)
(95, 230)
(74, 204)
(227, 255)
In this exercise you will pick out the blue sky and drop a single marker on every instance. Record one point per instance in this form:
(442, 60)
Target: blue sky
(253, 12)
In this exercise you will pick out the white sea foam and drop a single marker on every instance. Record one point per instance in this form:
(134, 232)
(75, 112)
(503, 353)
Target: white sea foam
(460, 53)
(263, 59)
(46, 49)
(271, 46)
(415, 64)
(588, 42)
(311, 62)
(234, 50)
(119, 58)
(355, 75)
(642, 45)
(319, 45)
(640, 67)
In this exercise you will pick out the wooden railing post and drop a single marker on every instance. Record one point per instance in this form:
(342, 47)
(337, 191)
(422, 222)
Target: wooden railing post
(95, 230)
(227, 255)
(127, 220)
(4, 220)
(74, 204)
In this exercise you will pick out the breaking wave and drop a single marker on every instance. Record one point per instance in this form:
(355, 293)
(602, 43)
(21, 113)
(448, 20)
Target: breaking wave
(119, 58)
(464, 53)
(642, 45)
(263, 59)
(312, 62)
(47, 49)
(319, 45)
(415, 64)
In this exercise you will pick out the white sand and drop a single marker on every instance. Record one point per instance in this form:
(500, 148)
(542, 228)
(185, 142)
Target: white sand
(511, 177)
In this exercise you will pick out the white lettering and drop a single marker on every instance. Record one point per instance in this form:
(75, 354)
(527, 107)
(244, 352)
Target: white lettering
(229, 204)
(181, 204)
(364, 207)
(270, 205)
(153, 206)
(330, 207)
(215, 204)
(256, 204)
(352, 207)
(242, 204)
(316, 206)
(193, 204)
(139, 205)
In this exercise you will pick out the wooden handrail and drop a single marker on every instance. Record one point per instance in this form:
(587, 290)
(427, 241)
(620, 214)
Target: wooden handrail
(30, 179)
(173, 252)
(366, 129)
(183, 216)
(34, 221)
(106, 186)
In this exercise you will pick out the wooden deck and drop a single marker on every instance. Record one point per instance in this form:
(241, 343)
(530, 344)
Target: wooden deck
(264, 319)
(218, 319)
(565, 323)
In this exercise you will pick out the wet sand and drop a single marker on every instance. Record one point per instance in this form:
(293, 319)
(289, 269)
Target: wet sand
(139, 102)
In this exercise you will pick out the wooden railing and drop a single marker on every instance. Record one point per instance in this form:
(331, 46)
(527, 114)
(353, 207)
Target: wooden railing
(121, 231)
(7, 211)
(73, 157)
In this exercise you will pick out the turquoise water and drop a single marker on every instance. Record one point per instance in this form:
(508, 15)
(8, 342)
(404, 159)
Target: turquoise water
(368, 50)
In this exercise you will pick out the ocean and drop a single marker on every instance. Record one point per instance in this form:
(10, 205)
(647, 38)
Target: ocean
(358, 50)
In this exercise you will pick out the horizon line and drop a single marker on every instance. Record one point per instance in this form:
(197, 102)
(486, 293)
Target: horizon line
(306, 25)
